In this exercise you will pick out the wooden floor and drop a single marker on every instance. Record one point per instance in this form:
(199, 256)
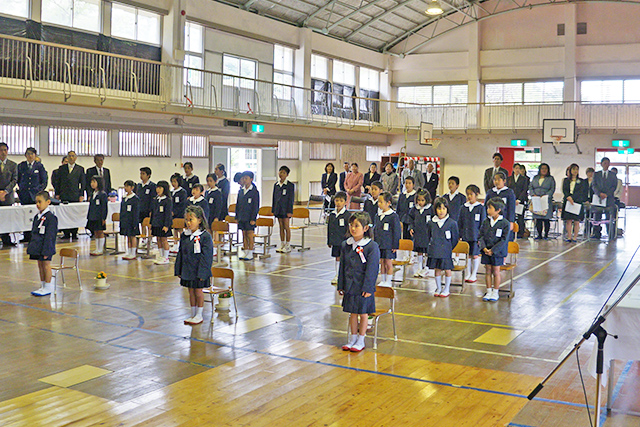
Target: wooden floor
(124, 357)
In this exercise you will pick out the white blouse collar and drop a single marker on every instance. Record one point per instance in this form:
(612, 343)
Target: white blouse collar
(409, 194)
(194, 200)
(498, 191)
(493, 222)
(439, 221)
(471, 206)
(340, 212)
(383, 214)
(41, 214)
(452, 195)
(422, 209)
(362, 242)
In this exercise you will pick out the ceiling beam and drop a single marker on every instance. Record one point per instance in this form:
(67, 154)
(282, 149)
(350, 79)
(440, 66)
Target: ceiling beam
(378, 18)
(321, 9)
(355, 12)
(248, 4)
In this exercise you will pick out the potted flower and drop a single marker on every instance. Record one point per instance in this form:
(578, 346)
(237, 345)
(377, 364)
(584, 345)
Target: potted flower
(101, 280)
(224, 300)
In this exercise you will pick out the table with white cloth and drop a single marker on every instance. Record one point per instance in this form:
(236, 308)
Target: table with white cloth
(623, 321)
(18, 218)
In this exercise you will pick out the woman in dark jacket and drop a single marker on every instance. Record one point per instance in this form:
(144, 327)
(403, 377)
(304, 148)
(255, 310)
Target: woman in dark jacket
(371, 177)
(329, 181)
(576, 192)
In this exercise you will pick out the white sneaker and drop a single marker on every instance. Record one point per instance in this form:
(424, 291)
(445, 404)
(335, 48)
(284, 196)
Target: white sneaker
(174, 249)
(495, 296)
(281, 248)
(421, 273)
(286, 249)
(359, 345)
(334, 281)
(188, 321)
(161, 261)
(488, 295)
(352, 340)
(195, 320)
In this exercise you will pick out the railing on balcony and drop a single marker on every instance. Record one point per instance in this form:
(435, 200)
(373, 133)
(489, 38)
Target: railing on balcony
(36, 67)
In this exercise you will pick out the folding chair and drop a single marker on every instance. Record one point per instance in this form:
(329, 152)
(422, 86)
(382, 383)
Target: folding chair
(405, 245)
(390, 294)
(71, 254)
(115, 219)
(265, 212)
(462, 248)
(324, 211)
(146, 234)
(265, 238)
(220, 229)
(513, 251)
(303, 214)
(221, 273)
(515, 231)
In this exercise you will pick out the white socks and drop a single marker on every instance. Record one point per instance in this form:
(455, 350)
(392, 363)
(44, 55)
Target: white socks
(100, 241)
(438, 284)
(132, 252)
(476, 266)
(447, 284)
(359, 345)
(353, 338)
(337, 267)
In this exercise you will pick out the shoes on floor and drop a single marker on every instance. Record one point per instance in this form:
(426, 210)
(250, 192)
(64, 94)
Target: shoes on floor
(162, 261)
(471, 280)
(445, 294)
(488, 295)
(495, 295)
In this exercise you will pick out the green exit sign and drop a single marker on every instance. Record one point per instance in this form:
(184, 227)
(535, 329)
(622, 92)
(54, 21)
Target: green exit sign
(621, 143)
(518, 142)
(256, 128)
(627, 151)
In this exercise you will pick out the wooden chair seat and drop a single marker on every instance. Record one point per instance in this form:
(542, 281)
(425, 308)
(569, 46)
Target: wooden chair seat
(513, 251)
(221, 273)
(461, 250)
(301, 214)
(265, 236)
(390, 294)
(70, 254)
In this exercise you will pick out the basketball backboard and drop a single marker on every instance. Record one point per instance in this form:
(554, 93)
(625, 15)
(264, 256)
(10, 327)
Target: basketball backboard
(562, 131)
(426, 135)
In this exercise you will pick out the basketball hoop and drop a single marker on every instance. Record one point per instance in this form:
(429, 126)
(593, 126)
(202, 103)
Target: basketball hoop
(555, 140)
(434, 142)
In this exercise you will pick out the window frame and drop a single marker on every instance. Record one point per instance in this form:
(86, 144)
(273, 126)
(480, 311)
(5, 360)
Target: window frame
(242, 82)
(144, 149)
(431, 89)
(9, 132)
(99, 30)
(13, 15)
(523, 93)
(189, 148)
(623, 83)
(281, 86)
(286, 153)
(82, 137)
(137, 12)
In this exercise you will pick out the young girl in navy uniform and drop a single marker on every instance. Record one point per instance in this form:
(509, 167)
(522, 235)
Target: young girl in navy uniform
(162, 221)
(472, 215)
(97, 214)
(443, 236)
(371, 204)
(420, 216)
(282, 207)
(508, 198)
(194, 260)
(129, 213)
(179, 198)
(247, 208)
(337, 229)
(359, 264)
(146, 191)
(42, 246)
(213, 196)
(225, 188)
(405, 204)
(197, 199)
(455, 198)
(494, 245)
(387, 235)
(189, 179)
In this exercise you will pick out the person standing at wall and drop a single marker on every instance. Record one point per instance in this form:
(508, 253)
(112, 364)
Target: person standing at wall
(189, 179)
(418, 177)
(8, 181)
(371, 177)
(343, 176)
(225, 187)
(100, 171)
(543, 184)
(605, 183)
(32, 179)
(390, 180)
(328, 182)
(519, 183)
(431, 181)
(353, 185)
(489, 173)
(70, 181)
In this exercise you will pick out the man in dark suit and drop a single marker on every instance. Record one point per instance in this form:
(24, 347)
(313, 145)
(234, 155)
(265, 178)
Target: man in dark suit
(70, 182)
(32, 179)
(519, 183)
(101, 171)
(343, 176)
(431, 181)
(8, 180)
(604, 185)
(490, 172)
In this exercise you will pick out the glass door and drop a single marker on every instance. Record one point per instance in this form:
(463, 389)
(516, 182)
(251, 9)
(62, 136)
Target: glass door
(632, 185)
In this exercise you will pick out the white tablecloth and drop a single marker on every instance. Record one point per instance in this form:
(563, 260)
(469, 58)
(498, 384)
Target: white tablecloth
(16, 219)
(623, 321)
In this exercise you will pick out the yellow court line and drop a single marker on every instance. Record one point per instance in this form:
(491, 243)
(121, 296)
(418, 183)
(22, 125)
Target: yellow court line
(561, 260)
(285, 275)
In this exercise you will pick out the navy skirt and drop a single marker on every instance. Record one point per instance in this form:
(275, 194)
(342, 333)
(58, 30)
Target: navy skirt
(492, 260)
(440, 263)
(195, 284)
(335, 251)
(157, 232)
(356, 303)
(95, 225)
(387, 254)
(420, 250)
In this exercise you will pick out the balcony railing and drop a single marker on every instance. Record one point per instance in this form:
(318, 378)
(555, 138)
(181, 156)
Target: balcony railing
(81, 76)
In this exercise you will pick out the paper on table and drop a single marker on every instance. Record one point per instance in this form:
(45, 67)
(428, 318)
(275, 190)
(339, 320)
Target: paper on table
(597, 201)
(573, 208)
(520, 209)
(540, 204)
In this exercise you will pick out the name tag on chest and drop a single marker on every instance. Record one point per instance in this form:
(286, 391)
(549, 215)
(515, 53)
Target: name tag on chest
(504, 199)
(42, 229)
(428, 218)
(146, 191)
(499, 232)
(210, 200)
(129, 208)
(161, 209)
(410, 205)
(249, 200)
(385, 227)
(196, 248)
(97, 202)
(177, 199)
(477, 217)
(341, 222)
(447, 234)
(284, 192)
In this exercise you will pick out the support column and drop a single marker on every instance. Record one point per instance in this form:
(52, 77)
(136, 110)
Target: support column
(570, 80)
(302, 73)
(474, 77)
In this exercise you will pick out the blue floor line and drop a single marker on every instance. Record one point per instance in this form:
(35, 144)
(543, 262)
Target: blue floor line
(517, 425)
(616, 391)
(262, 352)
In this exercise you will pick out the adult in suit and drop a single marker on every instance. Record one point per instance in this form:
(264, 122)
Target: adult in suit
(519, 183)
(490, 172)
(32, 179)
(431, 181)
(371, 177)
(543, 184)
(412, 171)
(55, 173)
(328, 182)
(390, 180)
(98, 170)
(70, 182)
(343, 175)
(8, 181)
(604, 185)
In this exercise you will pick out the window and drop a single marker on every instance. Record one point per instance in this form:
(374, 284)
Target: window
(530, 158)
(282, 71)
(322, 151)
(19, 138)
(243, 71)
(610, 91)
(15, 7)
(441, 94)
(85, 142)
(319, 84)
(143, 144)
(344, 73)
(135, 24)
(319, 67)
(81, 14)
(375, 153)
(288, 150)
(369, 88)
(524, 93)
(369, 79)
(195, 145)
(194, 57)
(344, 89)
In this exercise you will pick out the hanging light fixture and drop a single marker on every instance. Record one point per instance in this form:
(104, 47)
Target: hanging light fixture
(434, 8)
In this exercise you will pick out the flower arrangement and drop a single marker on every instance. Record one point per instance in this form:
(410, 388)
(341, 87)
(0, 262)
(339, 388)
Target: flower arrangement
(227, 294)
(101, 275)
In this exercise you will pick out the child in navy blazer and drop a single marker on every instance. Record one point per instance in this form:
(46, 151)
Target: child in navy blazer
(129, 213)
(359, 264)
(455, 198)
(42, 246)
(371, 204)
(282, 207)
(162, 221)
(197, 199)
(97, 214)
(337, 229)
(388, 232)
(194, 260)
(179, 198)
(214, 199)
(420, 216)
(146, 191)
(247, 208)
(508, 198)
(472, 216)
(405, 204)
(443, 236)
(494, 244)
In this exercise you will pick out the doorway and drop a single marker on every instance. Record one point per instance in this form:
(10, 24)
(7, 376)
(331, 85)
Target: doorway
(628, 166)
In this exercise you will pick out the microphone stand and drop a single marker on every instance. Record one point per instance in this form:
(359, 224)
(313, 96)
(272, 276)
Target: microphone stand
(601, 335)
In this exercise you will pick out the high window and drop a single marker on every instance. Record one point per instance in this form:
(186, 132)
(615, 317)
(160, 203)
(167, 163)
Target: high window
(610, 91)
(282, 71)
(143, 144)
(524, 93)
(80, 14)
(15, 7)
(194, 56)
(19, 137)
(195, 145)
(369, 88)
(85, 142)
(440, 94)
(240, 72)
(135, 24)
